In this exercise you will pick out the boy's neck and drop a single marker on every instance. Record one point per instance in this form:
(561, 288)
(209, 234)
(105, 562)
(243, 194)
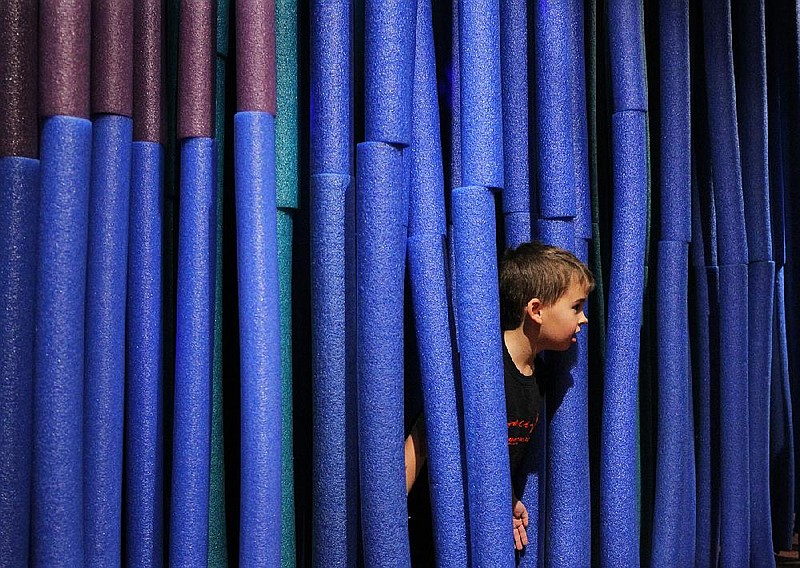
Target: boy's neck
(522, 351)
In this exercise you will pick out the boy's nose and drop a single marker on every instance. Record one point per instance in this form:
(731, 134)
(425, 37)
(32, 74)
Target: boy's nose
(582, 320)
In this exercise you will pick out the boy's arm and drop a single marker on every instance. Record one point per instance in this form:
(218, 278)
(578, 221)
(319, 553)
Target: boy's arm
(416, 452)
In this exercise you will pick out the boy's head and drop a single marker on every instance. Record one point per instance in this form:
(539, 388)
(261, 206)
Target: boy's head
(535, 276)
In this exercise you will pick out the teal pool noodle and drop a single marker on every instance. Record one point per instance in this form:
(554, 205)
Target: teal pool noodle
(286, 141)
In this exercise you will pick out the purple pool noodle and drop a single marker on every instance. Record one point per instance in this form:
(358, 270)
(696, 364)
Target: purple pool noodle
(751, 101)
(580, 127)
(335, 463)
(675, 121)
(330, 84)
(781, 439)
(19, 206)
(255, 56)
(514, 70)
(57, 485)
(674, 509)
(481, 105)
(619, 506)
(761, 286)
(144, 516)
(196, 66)
(64, 58)
(426, 213)
(555, 171)
(489, 493)
(454, 78)
(426, 262)
(259, 331)
(148, 100)
(722, 121)
(104, 379)
(18, 89)
(188, 543)
(112, 57)
(627, 58)
(734, 488)
(389, 30)
(517, 228)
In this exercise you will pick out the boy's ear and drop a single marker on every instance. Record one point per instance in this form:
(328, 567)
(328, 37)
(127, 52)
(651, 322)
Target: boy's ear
(533, 310)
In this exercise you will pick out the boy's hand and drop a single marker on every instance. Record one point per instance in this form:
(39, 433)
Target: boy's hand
(520, 521)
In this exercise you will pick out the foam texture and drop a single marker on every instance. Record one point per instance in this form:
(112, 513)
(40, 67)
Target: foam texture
(533, 494)
(112, 57)
(489, 483)
(674, 508)
(18, 90)
(389, 31)
(734, 488)
(580, 127)
(781, 442)
(426, 213)
(381, 247)
(64, 58)
(223, 24)
(335, 463)
(188, 543)
(288, 536)
(454, 90)
(57, 485)
(287, 151)
(751, 96)
(724, 152)
(255, 56)
(196, 57)
(104, 379)
(676, 158)
(148, 102)
(331, 96)
(426, 262)
(761, 287)
(144, 505)
(19, 213)
(619, 461)
(481, 104)
(557, 232)
(514, 72)
(517, 228)
(259, 337)
(627, 59)
(555, 174)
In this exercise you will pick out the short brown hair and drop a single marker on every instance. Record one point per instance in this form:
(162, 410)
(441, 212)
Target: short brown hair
(536, 270)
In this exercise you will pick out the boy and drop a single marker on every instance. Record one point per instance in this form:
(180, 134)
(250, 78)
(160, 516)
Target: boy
(542, 293)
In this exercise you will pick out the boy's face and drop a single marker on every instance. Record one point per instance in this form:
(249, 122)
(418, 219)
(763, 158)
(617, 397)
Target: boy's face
(561, 320)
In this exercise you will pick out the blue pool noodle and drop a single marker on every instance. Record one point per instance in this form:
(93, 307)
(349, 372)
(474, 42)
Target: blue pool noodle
(555, 173)
(454, 79)
(426, 213)
(476, 298)
(534, 494)
(381, 251)
(334, 461)
(627, 58)
(722, 122)
(619, 458)
(259, 338)
(481, 104)
(580, 127)
(675, 163)
(331, 111)
(188, 544)
(57, 485)
(734, 488)
(144, 524)
(19, 213)
(781, 438)
(514, 69)
(106, 282)
(517, 228)
(426, 261)
(674, 507)
(389, 30)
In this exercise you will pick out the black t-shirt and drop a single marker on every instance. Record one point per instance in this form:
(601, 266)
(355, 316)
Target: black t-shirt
(523, 400)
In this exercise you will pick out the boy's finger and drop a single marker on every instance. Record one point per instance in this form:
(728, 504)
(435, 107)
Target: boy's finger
(523, 535)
